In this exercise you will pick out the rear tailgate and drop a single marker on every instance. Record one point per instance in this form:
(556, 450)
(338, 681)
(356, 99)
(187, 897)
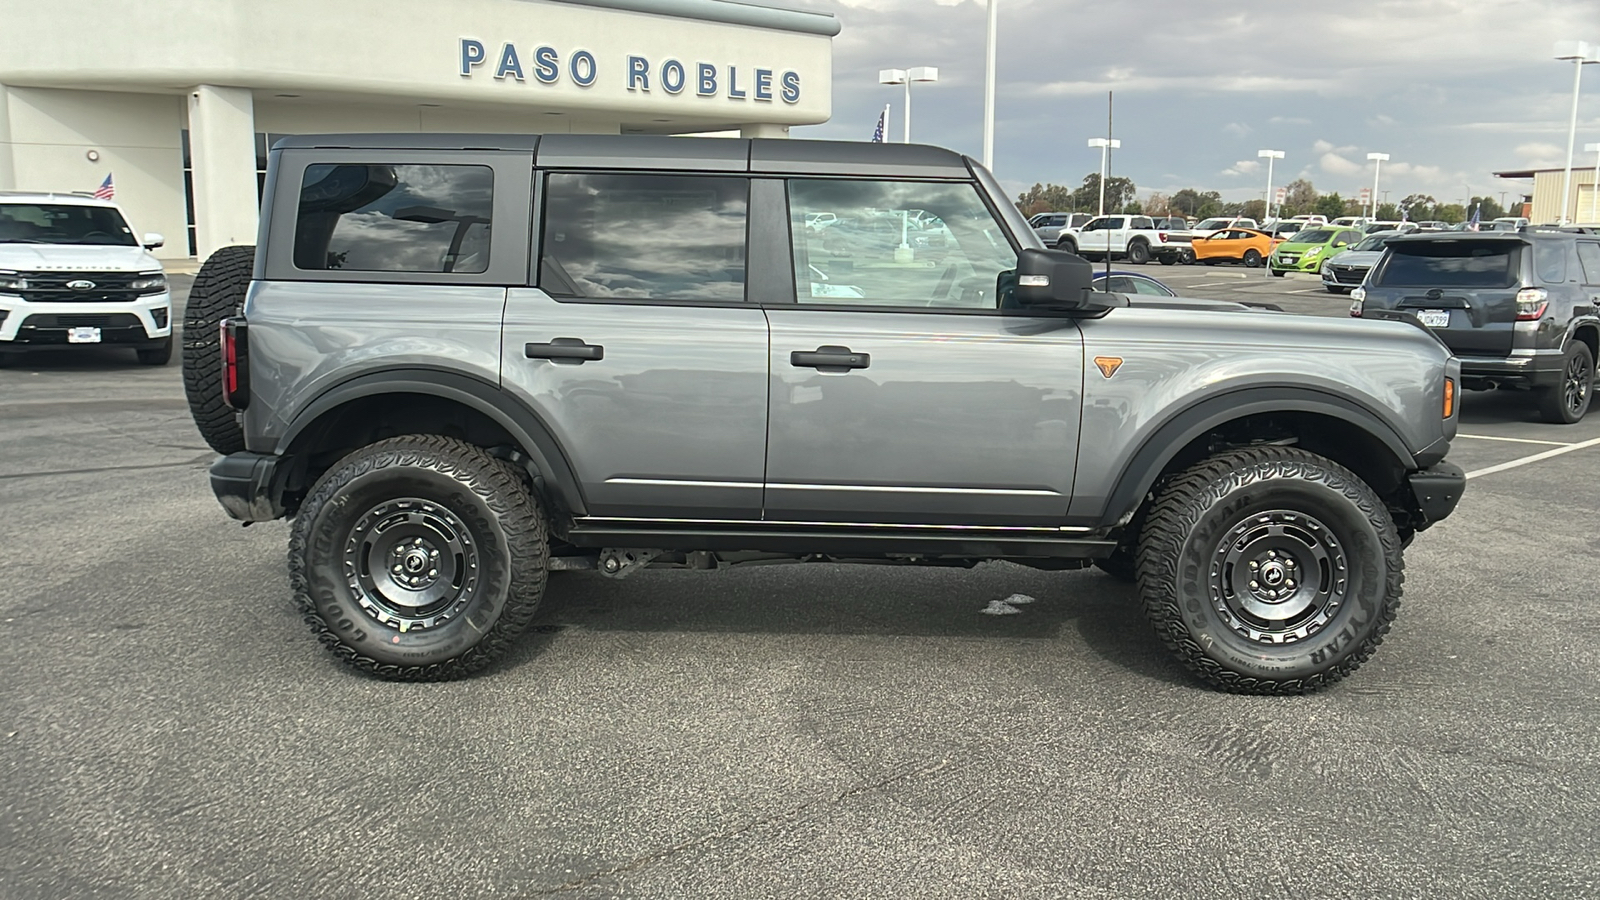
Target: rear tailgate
(1464, 289)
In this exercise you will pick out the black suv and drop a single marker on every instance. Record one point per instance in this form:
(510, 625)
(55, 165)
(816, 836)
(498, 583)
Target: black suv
(1518, 308)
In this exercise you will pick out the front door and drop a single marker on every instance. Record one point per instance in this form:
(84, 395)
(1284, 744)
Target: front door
(638, 350)
(899, 392)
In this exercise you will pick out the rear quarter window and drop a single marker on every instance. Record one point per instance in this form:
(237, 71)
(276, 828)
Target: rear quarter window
(394, 218)
(1550, 261)
(1468, 264)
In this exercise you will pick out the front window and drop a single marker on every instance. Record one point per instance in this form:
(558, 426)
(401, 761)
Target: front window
(881, 253)
(1312, 236)
(1372, 243)
(1213, 224)
(63, 223)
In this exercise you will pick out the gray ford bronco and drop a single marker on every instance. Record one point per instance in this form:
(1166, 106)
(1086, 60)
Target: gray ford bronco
(461, 363)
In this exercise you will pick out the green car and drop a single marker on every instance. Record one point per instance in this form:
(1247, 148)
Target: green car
(1307, 250)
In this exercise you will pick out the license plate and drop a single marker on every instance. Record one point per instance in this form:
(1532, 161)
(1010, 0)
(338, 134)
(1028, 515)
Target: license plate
(1435, 318)
(83, 334)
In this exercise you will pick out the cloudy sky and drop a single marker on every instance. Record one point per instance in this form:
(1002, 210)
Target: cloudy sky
(1453, 90)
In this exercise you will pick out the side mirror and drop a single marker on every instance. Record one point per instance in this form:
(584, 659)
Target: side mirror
(1053, 280)
(152, 240)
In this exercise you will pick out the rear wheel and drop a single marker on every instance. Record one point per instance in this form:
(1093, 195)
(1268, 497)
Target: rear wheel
(1138, 253)
(418, 558)
(1252, 258)
(1270, 570)
(1568, 402)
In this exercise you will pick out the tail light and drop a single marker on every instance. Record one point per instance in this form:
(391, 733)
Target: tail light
(1531, 304)
(1162, 235)
(235, 362)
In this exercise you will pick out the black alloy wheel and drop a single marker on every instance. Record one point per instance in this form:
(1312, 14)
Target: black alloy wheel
(1252, 258)
(1568, 402)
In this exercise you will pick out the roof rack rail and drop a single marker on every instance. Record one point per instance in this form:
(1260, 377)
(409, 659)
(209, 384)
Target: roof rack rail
(1563, 229)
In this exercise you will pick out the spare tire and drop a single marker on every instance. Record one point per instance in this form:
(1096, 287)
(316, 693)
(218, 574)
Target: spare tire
(217, 294)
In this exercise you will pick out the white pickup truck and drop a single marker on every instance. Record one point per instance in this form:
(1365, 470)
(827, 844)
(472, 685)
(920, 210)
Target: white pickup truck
(1134, 238)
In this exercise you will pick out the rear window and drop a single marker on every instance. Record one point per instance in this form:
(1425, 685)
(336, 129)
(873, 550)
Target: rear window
(394, 218)
(1320, 236)
(1468, 264)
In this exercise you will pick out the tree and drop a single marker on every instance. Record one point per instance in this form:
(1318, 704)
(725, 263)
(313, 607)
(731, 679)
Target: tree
(1253, 209)
(1133, 208)
(1330, 205)
(1450, 212)
(1488, 208)
(1191, 202)
(1157, 204)
(1389, 212)
(1045, 198)
(1118, 192)
(1299, 198)
(1418, 207)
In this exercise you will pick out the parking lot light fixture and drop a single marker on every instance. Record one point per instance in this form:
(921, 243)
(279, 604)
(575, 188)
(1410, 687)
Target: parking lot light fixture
(1377, 163)
(1581, 53)
(905, 77)
(1594, 186)
(1269, 156)
(1106, 145)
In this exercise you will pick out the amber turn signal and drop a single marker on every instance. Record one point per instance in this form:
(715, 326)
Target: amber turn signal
(1449, 397)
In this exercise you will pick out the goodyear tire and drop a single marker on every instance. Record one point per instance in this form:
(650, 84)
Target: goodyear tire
(1270, 570)
(418, 558)
(1138, 253)
(218, 293)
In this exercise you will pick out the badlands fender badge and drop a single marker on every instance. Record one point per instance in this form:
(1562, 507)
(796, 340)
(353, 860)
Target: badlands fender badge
(1108, 364)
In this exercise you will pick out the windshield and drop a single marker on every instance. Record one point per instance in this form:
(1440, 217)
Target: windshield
(1312, 236)
(1445, 264)
(1373, 243)
(1213, 224)
(64, 223)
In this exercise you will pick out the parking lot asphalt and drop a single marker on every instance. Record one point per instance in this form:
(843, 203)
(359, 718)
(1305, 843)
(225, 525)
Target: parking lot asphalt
(169, 728)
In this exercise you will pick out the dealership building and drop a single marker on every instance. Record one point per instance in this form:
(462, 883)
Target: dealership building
(177, 101)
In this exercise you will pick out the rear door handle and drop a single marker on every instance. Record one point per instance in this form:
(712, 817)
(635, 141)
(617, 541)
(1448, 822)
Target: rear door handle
(565, 349)
(830, 358)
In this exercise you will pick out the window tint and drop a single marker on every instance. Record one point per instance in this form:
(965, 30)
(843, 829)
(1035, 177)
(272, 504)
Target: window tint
(1143, 223)
(1145, 286)
(879, 255)
(1589, 256)
(1550, 260)
(650, 237)
(1451, 264)
(394, 218)
(63, 223)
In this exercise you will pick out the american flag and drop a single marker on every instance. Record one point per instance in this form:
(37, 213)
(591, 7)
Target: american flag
(1473, 224)
(105, 191)
(877, 133)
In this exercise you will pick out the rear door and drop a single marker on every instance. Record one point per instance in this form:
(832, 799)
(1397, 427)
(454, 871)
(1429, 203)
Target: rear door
(1464, 289)
(638, 348)
(900, 392)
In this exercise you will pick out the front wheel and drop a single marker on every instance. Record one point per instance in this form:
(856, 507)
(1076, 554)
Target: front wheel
(1270, 570)
(418, 558)
(1568, 402)
(1067, 245)
(1252, 258)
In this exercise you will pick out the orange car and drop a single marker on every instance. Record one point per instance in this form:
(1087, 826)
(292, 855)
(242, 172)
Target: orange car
(1245, 245)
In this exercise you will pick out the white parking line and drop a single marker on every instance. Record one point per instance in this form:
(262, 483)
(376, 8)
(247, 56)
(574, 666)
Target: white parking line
(1537, 457)
(1306, 291)
(1212, 284)
(1495, 437)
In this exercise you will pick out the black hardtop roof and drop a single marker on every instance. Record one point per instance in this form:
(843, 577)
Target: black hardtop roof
(653, 151)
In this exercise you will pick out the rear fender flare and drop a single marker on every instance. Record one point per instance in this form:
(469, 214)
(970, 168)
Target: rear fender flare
(524, 426)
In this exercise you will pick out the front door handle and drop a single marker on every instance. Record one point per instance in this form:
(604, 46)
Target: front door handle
(830, 358)
(565, 349)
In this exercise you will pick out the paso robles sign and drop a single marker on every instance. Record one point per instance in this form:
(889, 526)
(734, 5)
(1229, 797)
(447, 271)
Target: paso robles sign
(545, 65)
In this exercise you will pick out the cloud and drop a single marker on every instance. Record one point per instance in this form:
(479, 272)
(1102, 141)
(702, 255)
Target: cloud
(1288, 120)
(1335, 164)
(1322, 146)
(1243, 167)
(1539, 155)
(1237, 129)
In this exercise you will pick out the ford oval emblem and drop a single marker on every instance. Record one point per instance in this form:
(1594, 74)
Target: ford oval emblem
(81, 285)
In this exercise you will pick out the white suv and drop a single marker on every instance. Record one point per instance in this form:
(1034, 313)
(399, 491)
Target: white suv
(72, 272)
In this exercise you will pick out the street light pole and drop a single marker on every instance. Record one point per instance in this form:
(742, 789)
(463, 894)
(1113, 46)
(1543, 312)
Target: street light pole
(1594, 186)
(905, 77)
(1581, 53)
(1377, 163)
(988, 87)
(1106, 146)
(1269, 156)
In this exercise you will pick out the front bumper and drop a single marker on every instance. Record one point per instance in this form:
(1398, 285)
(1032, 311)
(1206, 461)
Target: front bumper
(1436, 489)
(145, 322)
(1295, 263)
(248, 487)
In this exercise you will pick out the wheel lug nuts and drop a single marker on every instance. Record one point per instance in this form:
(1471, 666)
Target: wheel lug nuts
(432, 573)
(399, 569)
(1254, 565)
(1253, 585)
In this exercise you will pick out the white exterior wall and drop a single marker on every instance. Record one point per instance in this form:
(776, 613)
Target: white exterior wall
(136, 136)
(1547, 194)
(125, 87)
